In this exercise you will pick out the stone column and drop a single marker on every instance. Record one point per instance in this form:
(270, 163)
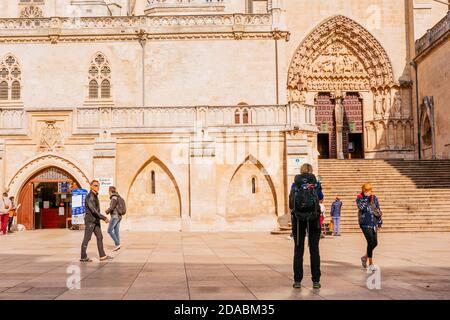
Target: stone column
(339, 116)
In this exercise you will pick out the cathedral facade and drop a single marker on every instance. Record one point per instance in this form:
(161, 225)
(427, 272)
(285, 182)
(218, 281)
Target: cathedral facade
(200, 112)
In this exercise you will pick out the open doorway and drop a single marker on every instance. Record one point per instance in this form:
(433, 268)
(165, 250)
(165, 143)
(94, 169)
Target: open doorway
(46, 200)
(355, 145)
(323, 145)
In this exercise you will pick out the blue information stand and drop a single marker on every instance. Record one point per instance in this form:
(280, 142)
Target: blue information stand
(78, 208)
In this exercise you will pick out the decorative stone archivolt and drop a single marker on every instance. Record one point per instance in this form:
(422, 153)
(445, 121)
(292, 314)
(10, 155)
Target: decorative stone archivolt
(43, 161)
(342, 55)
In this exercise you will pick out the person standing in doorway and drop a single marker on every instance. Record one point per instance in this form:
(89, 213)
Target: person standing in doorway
(304, 203)
(5, 205)
(336, 216)
(369, 216)
(116, 210)
(11, 214)
(92, 223)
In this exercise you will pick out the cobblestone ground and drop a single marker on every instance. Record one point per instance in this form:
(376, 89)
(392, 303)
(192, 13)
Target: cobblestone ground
(219, 266)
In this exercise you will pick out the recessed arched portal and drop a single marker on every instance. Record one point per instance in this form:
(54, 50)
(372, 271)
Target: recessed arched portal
(45, 199)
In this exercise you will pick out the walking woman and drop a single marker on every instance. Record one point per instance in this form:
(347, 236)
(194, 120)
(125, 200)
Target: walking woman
(370, 221)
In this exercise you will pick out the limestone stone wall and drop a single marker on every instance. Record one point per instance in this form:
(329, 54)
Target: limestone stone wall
(434, 72)
(200, 72)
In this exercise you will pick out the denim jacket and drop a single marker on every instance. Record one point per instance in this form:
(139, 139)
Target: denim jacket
(365, 214)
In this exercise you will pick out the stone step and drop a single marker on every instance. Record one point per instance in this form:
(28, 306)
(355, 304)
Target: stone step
(414, 195)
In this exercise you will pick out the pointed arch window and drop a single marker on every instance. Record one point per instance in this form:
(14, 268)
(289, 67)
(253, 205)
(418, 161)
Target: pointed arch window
(99, 77)
(3, 90)
(254, 185)
(93, 89)
(15, 90)
(153, 181)
(10, 78)
(106, 88)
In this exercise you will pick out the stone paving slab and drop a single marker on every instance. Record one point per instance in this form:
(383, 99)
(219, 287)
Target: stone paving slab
(206, 266)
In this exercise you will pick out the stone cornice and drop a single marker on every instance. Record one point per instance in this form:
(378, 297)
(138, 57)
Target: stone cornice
(185, 27)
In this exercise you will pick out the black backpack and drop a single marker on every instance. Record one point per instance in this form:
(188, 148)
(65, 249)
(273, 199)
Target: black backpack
(121, 206)
(305, 202)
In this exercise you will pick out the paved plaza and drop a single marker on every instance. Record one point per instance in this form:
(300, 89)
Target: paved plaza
(220, 266)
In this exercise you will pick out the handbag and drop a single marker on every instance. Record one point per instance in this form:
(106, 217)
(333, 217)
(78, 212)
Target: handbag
(375, 210)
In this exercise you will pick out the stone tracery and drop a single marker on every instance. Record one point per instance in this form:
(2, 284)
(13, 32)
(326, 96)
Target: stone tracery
(339, 55)
(342, 56)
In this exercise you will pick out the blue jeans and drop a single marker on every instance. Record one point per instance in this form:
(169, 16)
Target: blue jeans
(336, 225)
(113, 230)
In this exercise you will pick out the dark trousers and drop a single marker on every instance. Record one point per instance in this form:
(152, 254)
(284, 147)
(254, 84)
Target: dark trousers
(92, 228)
(372, 240)
(299, 232)
(10, 222)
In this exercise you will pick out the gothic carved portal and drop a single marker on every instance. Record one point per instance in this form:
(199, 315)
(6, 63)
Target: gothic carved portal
(340, 57)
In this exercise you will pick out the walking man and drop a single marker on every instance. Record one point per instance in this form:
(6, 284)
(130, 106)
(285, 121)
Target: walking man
(92, 223)
(336, 215)
(116, 210)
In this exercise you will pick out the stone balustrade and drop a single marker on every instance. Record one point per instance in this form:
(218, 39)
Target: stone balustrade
(290, 116)
(184, 4)
(433, 34)
(294, 116)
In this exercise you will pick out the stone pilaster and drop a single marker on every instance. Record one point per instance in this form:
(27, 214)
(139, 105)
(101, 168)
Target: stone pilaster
(104, 161)
(202, 176)
(2, 164)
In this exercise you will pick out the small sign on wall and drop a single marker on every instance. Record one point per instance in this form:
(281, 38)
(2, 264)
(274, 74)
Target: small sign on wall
(105, 183)
(294, 165)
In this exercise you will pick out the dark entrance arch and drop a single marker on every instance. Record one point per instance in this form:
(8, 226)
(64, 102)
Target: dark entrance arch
(45, 199)
(352, 131)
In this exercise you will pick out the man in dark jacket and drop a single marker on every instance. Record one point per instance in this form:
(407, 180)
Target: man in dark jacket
(92, 223)
(336, 215)
(114, 224)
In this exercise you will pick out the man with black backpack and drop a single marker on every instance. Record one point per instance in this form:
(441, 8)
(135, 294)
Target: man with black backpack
(304, 203)
(117, 209)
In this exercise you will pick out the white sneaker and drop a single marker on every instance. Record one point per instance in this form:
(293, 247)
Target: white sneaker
(373, 268)
(116, 248)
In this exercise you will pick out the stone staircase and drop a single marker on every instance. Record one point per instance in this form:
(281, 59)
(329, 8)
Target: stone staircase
(414, 195)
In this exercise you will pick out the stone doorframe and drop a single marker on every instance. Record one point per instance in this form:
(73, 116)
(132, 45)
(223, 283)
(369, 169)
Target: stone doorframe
(41, 162)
